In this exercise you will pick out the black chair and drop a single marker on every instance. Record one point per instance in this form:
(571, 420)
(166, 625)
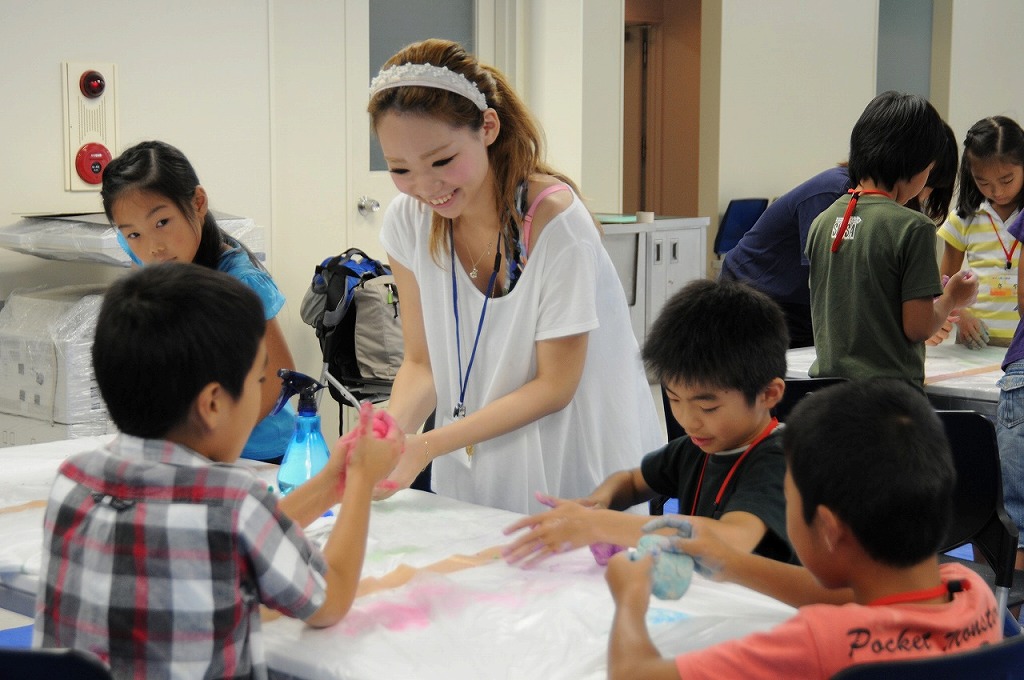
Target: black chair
(1001, 661)
(797, 389)
(739, 217)
(674, 431)
(979, 517)
(66, 664)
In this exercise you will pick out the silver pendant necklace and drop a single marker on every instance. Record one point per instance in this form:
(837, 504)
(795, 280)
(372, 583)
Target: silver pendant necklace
(474, 272)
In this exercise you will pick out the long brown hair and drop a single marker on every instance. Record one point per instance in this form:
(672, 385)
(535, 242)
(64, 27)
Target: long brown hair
(514, 156)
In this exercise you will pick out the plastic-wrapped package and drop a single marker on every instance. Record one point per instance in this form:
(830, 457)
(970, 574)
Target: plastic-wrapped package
(46, 337)
(90, 238)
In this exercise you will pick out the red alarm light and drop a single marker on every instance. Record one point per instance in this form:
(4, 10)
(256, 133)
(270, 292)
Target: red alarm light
(90, 162)
(92, 84)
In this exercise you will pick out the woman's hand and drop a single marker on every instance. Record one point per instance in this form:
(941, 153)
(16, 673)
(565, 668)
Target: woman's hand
(374, 456)
(410, 464)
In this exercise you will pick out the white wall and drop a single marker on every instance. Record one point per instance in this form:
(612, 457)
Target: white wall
(795, 76)
(193, 73)
(573, 83)
(308, 159)
(253, 91)
(986, 77)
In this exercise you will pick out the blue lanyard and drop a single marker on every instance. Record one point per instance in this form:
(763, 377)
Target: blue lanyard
(460, 408)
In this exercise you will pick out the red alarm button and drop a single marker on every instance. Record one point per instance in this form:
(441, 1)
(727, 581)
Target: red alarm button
(90, 162)
(92, 84)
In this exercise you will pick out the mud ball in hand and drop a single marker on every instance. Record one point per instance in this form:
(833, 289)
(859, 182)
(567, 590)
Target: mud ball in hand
(671, 571)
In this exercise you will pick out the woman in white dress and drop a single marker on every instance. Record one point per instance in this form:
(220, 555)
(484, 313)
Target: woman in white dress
(516, 329)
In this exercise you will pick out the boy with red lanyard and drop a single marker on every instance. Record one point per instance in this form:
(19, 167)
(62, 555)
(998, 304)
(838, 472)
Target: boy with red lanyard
(720, 350)
(869, 487)
(876, 294)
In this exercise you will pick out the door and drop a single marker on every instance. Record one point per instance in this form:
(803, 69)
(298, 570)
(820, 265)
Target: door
(374, 30)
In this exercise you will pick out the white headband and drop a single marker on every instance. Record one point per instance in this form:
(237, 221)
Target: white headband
(426, 75)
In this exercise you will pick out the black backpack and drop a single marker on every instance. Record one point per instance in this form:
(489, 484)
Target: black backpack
(352, 302)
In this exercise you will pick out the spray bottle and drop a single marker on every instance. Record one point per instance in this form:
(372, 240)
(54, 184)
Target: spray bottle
(307, 452)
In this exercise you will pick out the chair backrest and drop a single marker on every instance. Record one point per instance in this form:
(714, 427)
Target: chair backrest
(66, 664)
(1001, 661)
(797, 389)
(978, 513)
(740, 215)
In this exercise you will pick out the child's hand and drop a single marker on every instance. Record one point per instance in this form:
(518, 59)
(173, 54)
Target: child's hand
(962, 288)
(374, 457)
(698, 538)
(943, 332)
(629, 579)
(562, 528)
(372, 447)
(971, 331)
(601, 551)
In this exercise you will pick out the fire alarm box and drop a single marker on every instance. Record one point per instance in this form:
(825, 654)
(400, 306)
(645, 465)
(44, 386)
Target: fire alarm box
(90, 122)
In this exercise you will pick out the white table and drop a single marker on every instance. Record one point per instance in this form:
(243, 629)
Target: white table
(490, 621)
(955, 377)
(25, 482)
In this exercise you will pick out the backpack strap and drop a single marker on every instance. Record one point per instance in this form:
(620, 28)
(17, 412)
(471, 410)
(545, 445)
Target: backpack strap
(528, 217)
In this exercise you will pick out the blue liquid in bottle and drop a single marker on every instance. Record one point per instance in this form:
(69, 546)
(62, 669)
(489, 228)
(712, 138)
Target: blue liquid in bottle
(306, 455)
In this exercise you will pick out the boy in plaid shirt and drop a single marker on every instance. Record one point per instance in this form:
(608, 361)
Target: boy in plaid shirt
(158, 551)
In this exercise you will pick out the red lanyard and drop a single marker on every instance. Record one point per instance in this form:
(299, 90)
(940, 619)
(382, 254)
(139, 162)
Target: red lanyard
(854, 195)
(1008, 253)
(946, 587)
(721, 490)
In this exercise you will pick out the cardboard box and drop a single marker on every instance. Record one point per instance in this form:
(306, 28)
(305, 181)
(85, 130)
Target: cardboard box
(19, 430)
(46, 355)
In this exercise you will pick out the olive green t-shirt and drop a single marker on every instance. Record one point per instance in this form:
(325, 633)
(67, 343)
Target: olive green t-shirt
(886, 257)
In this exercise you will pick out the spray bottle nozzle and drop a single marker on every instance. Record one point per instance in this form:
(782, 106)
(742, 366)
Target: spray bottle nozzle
(292, 383)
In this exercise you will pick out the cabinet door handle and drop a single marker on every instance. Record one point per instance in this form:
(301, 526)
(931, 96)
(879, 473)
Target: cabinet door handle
(657, 252)
(674, 251)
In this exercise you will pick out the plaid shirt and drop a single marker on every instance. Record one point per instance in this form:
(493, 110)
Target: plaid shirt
(157, 559)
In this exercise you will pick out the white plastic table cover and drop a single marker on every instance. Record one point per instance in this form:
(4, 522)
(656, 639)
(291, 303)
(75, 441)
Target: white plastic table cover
(28, 472)
(950, 370)
(490, 621)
